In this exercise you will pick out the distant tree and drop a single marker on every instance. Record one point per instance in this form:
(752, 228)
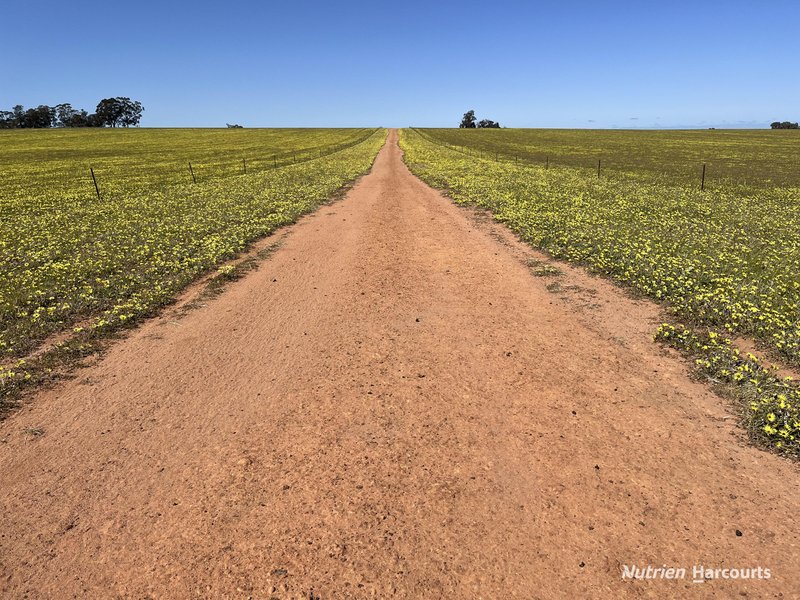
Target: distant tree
(65, 114)
(118, 112)
(69, 117)
(41, 117)
(83, 119)
(468, 120)
(6, 119)
(109, 112)
(234, 126)
(488, 124)
(784, 125)
(19, 115)
(132, 113)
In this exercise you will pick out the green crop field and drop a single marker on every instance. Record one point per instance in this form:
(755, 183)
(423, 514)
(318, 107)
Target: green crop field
(765, 158)
(726, 260)
(55, 163)
(73, 261)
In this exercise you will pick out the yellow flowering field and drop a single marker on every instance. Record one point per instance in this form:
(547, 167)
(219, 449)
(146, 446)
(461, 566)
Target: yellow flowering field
(754, 157)
(54, 163)
(72, 262)
(724, 260)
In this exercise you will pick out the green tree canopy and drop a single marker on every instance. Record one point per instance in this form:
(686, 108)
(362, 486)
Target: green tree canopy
(468, 120)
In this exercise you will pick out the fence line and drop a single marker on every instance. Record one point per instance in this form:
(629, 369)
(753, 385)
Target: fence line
(251, 164)
(515, 158)
(172, 173)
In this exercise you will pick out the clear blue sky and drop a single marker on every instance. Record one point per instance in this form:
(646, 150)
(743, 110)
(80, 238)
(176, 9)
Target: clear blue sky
(308, 63)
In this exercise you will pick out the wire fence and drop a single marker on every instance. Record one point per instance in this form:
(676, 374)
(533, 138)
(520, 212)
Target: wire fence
(603, 167)
(204, 170)
(101, 177)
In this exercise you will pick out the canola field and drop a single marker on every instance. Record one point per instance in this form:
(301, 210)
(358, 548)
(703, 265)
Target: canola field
(726, 260)
(71, 262)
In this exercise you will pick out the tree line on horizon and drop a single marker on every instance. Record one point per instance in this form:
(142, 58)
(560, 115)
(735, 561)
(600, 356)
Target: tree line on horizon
(784, 125)
(469, 121)
(110, 112)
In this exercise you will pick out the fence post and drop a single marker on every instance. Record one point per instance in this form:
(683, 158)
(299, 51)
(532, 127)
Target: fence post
(191, 170)
(598, 168)
(703, 179)
(244, 165)
(94, 179)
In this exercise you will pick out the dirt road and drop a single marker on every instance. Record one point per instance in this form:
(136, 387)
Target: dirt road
(391, 405)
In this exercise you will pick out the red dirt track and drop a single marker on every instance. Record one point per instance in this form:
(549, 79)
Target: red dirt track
(392, 405)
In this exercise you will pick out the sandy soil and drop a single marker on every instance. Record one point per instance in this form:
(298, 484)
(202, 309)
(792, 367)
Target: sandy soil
(392, 405)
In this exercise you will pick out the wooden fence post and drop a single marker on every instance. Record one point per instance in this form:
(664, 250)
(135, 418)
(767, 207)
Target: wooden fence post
(94, 179)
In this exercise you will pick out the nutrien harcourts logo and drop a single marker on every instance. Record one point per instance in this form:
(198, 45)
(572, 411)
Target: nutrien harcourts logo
(698, 573)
